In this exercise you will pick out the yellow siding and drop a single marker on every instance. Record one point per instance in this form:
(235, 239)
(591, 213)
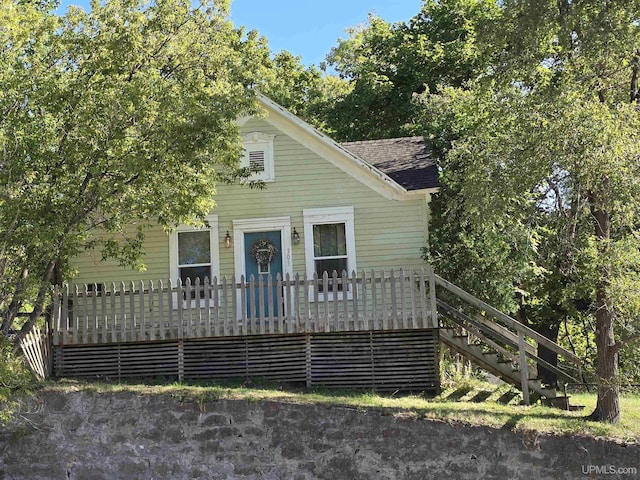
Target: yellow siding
(156, 260)
(388, 233)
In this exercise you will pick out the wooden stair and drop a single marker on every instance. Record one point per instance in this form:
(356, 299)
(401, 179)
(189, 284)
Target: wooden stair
(492, 362)
(501, 345)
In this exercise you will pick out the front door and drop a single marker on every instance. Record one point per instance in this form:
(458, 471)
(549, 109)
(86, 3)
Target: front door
(263, 257)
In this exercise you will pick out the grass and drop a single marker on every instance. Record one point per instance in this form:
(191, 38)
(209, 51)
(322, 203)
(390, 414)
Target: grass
(469, 403)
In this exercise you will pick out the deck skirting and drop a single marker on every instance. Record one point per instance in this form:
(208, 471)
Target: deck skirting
(398, 360)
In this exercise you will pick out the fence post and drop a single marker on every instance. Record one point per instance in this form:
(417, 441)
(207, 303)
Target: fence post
(180, 314)
(524, 369)
(66, 318)
(132, 309)
(432, 297)
(181, 359)
(394, 306)
(56, 315)
(307, 339)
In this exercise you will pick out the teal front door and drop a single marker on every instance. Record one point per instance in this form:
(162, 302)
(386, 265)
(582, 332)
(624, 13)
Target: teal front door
(259, 247)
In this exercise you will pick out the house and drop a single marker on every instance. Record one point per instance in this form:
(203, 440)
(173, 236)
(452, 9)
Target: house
(351, 206)
(317, 279)
(290, 281)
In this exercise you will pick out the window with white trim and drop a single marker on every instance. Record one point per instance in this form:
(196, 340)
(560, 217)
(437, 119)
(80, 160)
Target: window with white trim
(329, 243)
(258, 156)
(194, 252)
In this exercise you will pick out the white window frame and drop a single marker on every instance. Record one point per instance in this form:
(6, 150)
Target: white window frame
(214, 250)
(325, 216)
(257, 141)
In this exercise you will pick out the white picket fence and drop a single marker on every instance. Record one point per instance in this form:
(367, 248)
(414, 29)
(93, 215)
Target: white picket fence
(148, 311)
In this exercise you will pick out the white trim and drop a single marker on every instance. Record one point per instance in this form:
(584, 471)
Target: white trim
(241, 121)
(242, 226)
(320, 216)
(257, 141)
(214, 251)
(214, 248)
(328, 214)
(333, 152)
(258, 137)
(261, 225)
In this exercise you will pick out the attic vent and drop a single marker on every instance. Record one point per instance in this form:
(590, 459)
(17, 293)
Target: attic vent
(256, 160)
(258, 156)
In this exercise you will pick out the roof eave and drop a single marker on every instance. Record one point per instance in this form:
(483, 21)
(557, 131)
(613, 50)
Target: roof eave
(423, 191)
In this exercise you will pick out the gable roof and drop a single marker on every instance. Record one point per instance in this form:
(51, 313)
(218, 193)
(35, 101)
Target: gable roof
(407, 160)
(349, 162)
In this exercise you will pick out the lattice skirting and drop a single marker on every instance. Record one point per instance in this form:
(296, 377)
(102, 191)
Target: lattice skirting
(405, 360)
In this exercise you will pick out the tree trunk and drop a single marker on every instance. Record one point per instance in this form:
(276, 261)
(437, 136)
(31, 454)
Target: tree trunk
(38, 306)
(608, 406)
(16, 303)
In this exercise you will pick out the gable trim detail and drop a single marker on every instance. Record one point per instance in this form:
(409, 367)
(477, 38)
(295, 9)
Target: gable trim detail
(330, 150)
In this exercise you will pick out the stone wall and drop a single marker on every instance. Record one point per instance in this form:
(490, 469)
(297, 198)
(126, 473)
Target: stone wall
(85, 436)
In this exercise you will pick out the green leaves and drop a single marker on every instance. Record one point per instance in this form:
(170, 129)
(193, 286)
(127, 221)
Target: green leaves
(124, 113)
(549, 144)
(388, 65)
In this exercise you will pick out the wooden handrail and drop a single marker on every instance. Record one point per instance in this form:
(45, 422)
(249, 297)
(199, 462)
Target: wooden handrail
(481, 328)
(506, 319)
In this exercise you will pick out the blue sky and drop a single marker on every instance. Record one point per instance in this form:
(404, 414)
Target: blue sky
(305, 27)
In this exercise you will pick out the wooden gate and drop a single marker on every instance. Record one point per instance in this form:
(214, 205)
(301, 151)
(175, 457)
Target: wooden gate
(36, 347)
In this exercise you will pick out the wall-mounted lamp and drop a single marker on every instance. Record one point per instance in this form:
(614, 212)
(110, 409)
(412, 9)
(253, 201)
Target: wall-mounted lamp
(227, 240)
(295, 237)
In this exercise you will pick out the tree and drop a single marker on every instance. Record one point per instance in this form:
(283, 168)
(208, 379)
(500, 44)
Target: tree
(516, 256)
(122, 116)
(560, 131)
(388, 65)
(305, 91)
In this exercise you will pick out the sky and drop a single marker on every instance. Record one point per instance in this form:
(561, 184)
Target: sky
(308, 28)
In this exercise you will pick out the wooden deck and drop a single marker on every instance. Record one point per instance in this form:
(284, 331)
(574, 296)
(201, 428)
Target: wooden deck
(372, 330)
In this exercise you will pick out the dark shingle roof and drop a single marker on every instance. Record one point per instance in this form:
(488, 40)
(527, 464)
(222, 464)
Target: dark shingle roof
(406, 160)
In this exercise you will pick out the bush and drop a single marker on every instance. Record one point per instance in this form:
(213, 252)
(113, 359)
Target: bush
(15, 378)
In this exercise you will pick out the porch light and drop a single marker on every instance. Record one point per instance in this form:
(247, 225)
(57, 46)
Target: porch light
(227, 240)
(295, 237)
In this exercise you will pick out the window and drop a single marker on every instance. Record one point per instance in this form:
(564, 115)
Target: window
(95, 287)
(258, 155)
(193, 252)
(194, 256)
(330, 249)
(329, 242)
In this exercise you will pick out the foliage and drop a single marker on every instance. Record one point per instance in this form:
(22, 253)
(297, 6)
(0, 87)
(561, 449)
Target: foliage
(388, 65)
(15, 379)
(488, 257)
(554, 148)
(528, 106)
(304, 91)
(123, 115)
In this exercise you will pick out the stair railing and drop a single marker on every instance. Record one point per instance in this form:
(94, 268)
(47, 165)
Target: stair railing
(506, 330)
